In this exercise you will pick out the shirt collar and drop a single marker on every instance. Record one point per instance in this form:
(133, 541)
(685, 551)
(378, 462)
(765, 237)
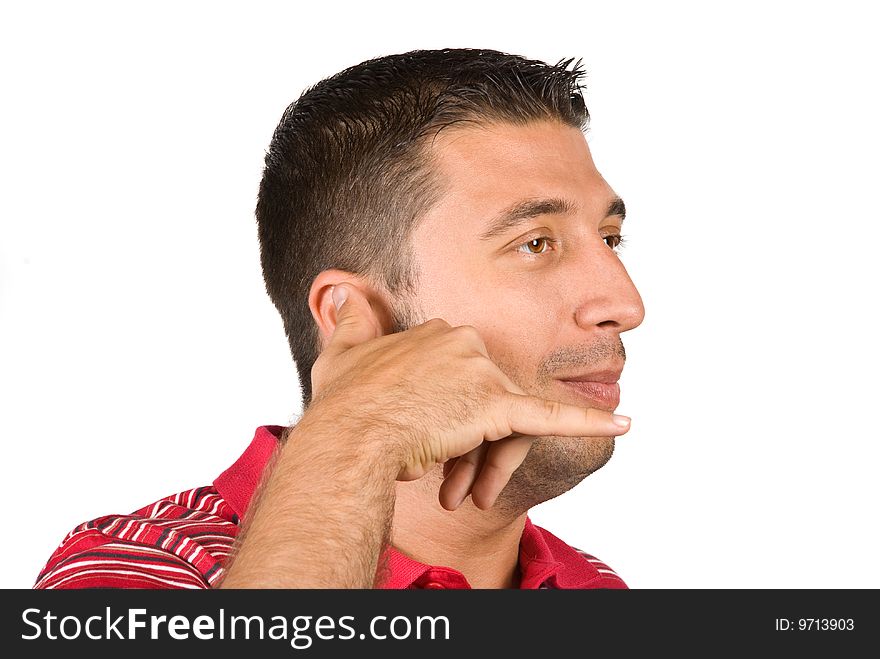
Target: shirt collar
(537, 564)
(238, 483)
(544, 559)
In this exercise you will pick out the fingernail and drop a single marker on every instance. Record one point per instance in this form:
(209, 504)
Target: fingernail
(340, 295)
(620, 420)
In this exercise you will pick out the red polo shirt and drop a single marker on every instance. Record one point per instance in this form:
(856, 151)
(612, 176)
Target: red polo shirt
(184, 540)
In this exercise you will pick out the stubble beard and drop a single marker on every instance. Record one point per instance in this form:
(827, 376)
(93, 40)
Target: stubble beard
(554, 464)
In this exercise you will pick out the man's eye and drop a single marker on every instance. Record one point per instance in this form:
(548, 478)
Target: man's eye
(538, 246)
(614, 241)
(535, 245)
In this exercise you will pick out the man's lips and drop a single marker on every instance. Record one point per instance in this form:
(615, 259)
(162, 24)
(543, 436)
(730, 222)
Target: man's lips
(604, 395)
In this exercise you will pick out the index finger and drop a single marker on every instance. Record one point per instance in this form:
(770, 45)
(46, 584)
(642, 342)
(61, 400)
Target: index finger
(534, 416)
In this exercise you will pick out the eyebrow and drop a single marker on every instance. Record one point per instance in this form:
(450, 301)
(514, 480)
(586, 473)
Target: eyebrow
(527, 209)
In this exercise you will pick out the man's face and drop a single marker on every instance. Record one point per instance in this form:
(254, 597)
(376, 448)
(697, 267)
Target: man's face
(547, 293)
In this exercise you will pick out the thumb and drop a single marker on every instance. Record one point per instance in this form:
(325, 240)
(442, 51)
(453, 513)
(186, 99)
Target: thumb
(355, 320)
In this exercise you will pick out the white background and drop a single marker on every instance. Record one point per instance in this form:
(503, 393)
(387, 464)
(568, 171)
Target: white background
(138, 349)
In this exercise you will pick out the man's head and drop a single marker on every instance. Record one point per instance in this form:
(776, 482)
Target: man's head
(350, 173)
(457, 184)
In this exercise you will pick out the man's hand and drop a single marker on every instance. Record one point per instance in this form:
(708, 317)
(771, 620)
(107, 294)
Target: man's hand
(433, 395)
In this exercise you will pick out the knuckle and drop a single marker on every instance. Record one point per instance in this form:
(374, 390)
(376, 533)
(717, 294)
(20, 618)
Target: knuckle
(467, 334)
(596, 416)
(553, 409)
(465, 330)
(436, 324)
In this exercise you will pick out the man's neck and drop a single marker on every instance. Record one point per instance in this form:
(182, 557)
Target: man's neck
(481, 544)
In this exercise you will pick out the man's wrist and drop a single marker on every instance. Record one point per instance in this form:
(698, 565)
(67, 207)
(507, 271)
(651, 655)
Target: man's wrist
(325, 427)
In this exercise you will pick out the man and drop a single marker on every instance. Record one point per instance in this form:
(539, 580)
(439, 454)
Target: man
(441, 249)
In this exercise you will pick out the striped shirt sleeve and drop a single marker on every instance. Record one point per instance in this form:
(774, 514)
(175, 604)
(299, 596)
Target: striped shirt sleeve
(181, 541)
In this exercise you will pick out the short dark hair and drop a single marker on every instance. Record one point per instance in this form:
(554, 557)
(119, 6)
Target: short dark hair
(347, 175)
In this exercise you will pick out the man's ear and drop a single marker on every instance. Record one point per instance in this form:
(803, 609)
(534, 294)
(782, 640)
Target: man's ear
(324, 311)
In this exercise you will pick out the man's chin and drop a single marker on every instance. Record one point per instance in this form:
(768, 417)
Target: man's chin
(553, 466)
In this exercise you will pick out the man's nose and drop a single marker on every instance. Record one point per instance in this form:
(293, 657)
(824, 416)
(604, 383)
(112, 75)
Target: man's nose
(609, 298)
